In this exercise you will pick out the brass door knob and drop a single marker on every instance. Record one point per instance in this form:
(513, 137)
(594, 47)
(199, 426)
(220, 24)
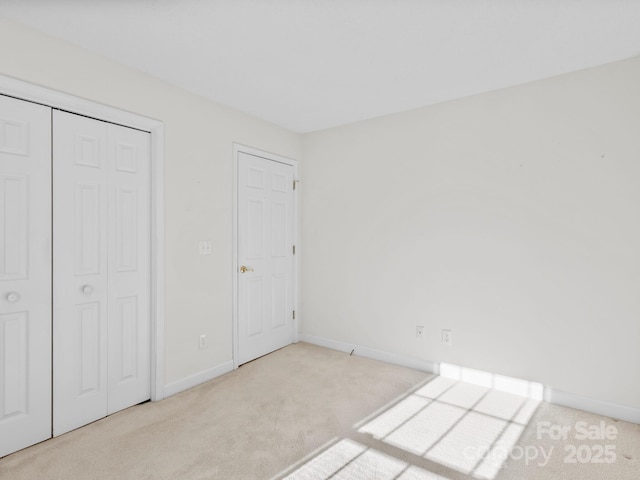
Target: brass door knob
(244, 269)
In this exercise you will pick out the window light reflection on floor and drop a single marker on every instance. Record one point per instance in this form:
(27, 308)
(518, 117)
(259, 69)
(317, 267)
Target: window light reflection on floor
(350, 460)
(464, 419)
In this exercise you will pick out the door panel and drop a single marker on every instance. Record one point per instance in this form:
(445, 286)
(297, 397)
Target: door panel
(25, 274)
(13, 328)
(89, 338)
(87, 229)
(129, 284)
(80, 271)
(265, 242)
(14, 191)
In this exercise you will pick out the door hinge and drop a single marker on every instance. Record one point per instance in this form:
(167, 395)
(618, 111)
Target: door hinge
(294, 314)
(294, 249)
(294, 183)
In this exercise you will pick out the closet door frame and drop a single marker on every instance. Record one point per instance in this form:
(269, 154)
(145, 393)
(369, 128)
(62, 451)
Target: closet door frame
(51, 98)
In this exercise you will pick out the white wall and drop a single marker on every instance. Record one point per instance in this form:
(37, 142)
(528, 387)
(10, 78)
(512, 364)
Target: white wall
(198, 170)
(511, 218)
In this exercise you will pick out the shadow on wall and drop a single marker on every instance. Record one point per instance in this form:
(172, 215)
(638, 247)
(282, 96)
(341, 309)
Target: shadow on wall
(463, 421)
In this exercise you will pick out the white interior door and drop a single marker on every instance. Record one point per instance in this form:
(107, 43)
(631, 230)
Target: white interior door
(265, 256)
(101, 271)
(25, 274)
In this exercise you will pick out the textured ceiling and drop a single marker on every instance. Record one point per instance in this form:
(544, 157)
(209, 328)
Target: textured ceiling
(312, 64)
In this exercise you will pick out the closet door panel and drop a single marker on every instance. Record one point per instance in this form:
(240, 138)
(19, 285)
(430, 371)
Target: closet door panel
(80, 271)
(129, 267)
(25, 274)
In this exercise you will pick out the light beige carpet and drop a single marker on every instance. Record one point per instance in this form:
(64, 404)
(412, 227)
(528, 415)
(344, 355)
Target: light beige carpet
(309, 412)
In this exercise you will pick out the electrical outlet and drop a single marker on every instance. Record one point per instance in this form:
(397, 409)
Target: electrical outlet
(419, 331)
(205, 247)
(447, 338)
(203, 341)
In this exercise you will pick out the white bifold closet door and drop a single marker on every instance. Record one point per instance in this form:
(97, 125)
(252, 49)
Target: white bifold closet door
(25, 274)
(101, 269)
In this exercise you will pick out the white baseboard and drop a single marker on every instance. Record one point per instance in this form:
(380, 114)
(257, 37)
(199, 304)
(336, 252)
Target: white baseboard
(607, 409)
(599, 407)
(401, 360)
(197, 378)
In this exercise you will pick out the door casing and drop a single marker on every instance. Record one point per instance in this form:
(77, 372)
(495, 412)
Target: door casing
(238, 148)
(51, 98)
